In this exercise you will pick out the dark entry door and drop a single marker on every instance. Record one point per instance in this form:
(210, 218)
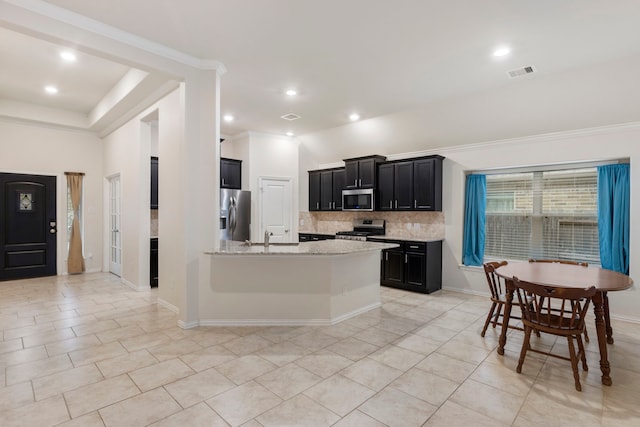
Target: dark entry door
(27, 226)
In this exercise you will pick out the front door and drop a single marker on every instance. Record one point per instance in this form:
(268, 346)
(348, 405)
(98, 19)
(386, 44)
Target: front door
(27, 226)
(276, 208)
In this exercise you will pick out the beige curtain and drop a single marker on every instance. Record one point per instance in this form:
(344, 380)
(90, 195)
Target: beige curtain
(75, 260)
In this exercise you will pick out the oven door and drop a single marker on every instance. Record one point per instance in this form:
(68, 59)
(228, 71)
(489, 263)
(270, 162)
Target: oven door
(358, 200)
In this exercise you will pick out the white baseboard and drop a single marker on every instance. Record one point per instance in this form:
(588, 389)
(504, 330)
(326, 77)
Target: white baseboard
(284, 322)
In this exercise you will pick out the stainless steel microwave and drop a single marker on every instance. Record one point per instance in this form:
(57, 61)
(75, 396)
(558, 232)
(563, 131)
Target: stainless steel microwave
(361, 199)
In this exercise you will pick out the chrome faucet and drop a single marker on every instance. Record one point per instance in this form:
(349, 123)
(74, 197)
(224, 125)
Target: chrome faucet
(266, 238)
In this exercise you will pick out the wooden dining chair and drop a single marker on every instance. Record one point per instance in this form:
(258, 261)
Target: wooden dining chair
(569, 262)
(556, 311)
(498, 300)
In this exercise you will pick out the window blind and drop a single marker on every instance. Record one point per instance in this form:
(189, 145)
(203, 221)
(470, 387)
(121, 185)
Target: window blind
(543, 214)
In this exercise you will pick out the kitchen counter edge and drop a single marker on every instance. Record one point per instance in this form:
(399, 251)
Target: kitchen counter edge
(322, 247)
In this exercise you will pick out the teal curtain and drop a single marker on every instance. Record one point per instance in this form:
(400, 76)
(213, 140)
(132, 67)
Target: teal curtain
(613, 217)
(474, 220)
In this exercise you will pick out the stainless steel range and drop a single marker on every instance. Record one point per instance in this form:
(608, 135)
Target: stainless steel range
(363, 228)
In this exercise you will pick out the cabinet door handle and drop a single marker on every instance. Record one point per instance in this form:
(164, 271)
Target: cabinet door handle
(317, 205)
(413, 247)
(396, 204)
(222, 181)
(390, 204)
(415, 204)
(386, 256)
(405, 258)
(359, 182)
(355, 182)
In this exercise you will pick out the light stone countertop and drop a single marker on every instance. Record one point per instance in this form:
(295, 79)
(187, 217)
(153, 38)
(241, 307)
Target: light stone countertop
(322, 247)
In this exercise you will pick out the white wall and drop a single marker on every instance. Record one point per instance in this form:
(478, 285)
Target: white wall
(126, 154)
(271, 156)
(41, 150)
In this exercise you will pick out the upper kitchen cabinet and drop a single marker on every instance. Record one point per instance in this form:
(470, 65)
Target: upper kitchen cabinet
(427, 183)
(325, 189)
(230, 173)
(412, 184)
(154, 183)
(361, 171)
(314, 190)
(395, 186)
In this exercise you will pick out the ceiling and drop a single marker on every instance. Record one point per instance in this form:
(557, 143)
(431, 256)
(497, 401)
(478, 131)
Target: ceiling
(374, 57)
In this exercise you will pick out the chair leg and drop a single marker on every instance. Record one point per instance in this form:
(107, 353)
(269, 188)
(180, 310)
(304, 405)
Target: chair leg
(583, 355)
(497, 315)
(574, 363)
(489, 316)
(525, 347)
(586, 334)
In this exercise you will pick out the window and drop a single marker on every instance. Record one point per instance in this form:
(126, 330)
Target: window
(543, 214)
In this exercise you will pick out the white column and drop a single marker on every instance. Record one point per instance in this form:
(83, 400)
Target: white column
(201, 190)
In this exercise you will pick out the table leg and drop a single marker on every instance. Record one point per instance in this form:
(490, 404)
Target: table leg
(607, 319)
(505, 316)
(598, 309)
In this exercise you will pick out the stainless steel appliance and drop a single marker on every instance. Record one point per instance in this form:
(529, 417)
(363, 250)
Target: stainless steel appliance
(361, 199)
(363, 228)
(235, 215)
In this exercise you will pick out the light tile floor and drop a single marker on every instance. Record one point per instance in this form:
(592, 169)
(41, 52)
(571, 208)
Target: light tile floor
(88, 351)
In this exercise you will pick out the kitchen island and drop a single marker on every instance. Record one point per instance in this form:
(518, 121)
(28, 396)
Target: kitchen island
(310, 283)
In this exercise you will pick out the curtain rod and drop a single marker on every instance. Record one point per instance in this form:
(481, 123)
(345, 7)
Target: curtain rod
(74, 173)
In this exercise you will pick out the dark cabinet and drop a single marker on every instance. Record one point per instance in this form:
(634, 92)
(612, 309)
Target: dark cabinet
(325, 189)
(395, 186)
(392, 269)
(413, 266)
(230, 173)
(313, 237)
(339, 181)
(427, 184)
(414, 184)
(386, 182)
(154, 183)
(153, 263)
(314, 190)
(361, 172)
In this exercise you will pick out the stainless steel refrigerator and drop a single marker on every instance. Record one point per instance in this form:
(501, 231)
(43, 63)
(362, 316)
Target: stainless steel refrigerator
(235, 215)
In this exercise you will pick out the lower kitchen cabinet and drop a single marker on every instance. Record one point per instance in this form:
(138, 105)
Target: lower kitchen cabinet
(153, 263)
(413, 266)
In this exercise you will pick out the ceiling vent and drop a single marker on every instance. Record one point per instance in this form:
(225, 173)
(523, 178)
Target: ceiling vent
(290, 116)
(521, 72)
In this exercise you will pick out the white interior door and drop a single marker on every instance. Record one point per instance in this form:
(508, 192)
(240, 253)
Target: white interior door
(115, 239)
(276, 201)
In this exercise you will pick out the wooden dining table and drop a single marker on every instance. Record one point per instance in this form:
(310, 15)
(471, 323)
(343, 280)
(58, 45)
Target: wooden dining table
(569, 276)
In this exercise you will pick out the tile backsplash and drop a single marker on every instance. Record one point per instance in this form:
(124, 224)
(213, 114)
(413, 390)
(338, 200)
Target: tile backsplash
(406, 225)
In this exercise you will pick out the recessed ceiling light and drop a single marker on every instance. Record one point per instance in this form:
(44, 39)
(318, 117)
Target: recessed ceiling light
(291, 92)
(289, 133)
(502, 51)
(228, 118)
(353, 117)
(68, 56)
(51, 89)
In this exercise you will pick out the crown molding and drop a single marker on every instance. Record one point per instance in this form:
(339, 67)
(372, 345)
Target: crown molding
(91, 25)
(546, 137)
